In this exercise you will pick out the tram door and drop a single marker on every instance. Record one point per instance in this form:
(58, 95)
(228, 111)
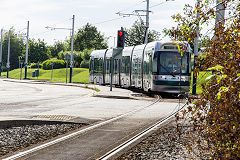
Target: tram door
(116, 72)
(137, 67)
(135, 70)
(107, 71)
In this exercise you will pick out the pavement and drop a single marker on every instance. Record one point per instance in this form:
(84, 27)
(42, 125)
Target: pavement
(72, 102)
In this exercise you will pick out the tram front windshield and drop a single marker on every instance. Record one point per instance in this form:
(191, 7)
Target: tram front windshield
(171, 63)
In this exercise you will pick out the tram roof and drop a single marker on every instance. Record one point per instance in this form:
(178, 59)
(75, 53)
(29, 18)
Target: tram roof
(127, 51)
(98, 53)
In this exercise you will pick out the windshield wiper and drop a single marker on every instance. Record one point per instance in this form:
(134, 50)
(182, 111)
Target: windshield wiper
(167, 70)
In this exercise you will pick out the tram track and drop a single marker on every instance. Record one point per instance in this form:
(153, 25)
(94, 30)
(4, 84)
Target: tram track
(79, 132)
(119, 149)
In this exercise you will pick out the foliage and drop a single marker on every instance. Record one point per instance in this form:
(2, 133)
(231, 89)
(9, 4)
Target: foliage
(213, 120)
(85, 55)
(47, 65)
(135, 35)
(80, 58)
(88, 37)
(76, 55)
(56, 48)
(35, 65)
(38, 51)
(84, 64)
(16, 47)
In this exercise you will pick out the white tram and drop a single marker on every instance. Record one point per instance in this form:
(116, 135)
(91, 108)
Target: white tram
(155, 66)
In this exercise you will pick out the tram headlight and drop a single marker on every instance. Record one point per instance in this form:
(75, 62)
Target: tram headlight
(163, 77)
(183, 78)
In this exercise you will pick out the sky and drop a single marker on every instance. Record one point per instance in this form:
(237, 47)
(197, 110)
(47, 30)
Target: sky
(100, 13)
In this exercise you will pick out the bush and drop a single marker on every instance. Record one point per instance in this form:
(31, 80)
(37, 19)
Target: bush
(56, 64)
(34, 65)
(84, 64)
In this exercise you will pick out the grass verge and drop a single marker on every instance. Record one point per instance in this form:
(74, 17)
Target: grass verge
(80, 75)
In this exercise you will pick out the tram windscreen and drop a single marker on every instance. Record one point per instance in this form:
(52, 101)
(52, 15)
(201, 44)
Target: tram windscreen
(172, 63)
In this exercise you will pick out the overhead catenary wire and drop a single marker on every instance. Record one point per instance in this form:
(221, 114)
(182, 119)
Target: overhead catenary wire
(160, 3)
(110, 20)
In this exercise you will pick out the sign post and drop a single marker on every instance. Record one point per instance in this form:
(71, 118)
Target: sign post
(67, 57)
(52, 70)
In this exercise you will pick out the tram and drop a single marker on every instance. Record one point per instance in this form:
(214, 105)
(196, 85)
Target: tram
(156, 66)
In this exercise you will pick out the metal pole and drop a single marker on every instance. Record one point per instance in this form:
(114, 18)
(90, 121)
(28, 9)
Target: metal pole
(26, 59)
(66, 68)
(112, 60)
(147, 23)
(1, 53)
(220, 12)
(52, 72)
(21, 71)
(194, 88)
(8, 60)
(71, 62)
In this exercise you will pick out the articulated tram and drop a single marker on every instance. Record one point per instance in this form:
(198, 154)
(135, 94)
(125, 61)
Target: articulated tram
(156, 66)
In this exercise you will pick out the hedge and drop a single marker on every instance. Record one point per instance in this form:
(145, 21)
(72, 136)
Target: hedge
(34, 65)
(47, 65)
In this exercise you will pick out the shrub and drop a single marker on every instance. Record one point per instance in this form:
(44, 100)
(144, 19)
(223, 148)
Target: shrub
(56, 64)
(34, 65)
(84, 64)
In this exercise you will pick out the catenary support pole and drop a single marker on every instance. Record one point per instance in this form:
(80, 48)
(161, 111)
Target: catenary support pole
(1, 52)
(8, 59)
(26, 58)
(147, 24)
(72, 59)
(194, 88)
(220, 13)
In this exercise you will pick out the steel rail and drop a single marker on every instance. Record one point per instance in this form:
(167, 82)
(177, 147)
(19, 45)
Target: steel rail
(27, 152)
(138, 136)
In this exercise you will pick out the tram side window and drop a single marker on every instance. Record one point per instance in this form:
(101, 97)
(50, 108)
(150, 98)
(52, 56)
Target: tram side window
(108, 65)
(91, 69)
(154, 63)
(98, 65)
(115, 66)
(148, 62)
(126, 65)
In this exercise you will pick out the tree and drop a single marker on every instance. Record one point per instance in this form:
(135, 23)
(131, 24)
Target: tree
(213, 120)
(88, 37)
(135, 35)
(16, 47)
(76, 54)
(56, 48)
(38, 51)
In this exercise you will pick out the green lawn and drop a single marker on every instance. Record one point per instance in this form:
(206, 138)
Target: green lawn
(80, 75)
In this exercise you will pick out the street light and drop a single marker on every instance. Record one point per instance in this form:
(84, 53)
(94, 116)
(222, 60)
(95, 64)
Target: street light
(72, 59)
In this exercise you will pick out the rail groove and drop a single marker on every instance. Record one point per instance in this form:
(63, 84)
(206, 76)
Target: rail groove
(35, 149)
(138, 136)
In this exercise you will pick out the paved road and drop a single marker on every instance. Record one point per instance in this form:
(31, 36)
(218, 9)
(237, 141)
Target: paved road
(31, 101)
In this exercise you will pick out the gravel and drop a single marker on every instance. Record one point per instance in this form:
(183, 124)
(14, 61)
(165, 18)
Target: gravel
(158, 146)
(16, 138)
